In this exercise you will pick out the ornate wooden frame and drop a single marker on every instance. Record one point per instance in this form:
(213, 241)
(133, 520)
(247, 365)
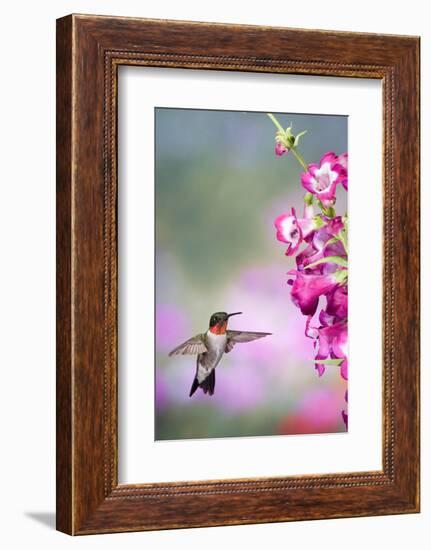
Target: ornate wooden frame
(89, 51)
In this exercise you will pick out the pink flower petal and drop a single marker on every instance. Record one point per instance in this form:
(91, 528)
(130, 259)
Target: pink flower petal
(289, 231)
(308, 182)
(320, 368)
(345, 418)
(307, 289)
(338, 303)
(329, 157)
(344, 369)
(280, 149)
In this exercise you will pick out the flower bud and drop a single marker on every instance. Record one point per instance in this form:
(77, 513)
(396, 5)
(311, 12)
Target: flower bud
(280, 149)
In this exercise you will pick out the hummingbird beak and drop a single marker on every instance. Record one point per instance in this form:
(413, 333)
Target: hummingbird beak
(237, 313)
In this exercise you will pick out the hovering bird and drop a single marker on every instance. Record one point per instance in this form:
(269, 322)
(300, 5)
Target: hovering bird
(210, 347)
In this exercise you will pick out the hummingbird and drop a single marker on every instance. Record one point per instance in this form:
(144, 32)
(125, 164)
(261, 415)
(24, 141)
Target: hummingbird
(210, 347)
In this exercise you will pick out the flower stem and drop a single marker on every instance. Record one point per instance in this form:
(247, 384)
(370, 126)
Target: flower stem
(299, 158)
(275, 121)
(343, 240)
(329, 212)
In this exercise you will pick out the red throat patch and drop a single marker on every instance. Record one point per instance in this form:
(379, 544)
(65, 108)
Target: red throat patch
(219, 328)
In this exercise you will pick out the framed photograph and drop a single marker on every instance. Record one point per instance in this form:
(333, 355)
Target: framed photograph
(237, 274)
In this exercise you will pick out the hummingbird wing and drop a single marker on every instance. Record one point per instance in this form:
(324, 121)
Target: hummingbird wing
(192, 346)
(239, 336)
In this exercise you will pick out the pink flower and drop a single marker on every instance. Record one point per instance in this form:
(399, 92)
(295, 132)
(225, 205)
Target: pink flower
(321, 180)
(321, 245)
(318, 250)
(345, 418)
(325, 318)
(343, 161)
(344, 369)
(289, 231)
(337, 303)
(332, 343)
(320, 368)
(280, 149)
(339, 344)
(292, 230)
(330, 229)
(344, 413)
(307, 289)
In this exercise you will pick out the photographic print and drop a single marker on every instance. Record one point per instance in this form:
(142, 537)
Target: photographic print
(251, 259)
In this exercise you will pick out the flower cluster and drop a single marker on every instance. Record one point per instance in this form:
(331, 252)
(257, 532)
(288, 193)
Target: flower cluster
(318, 241)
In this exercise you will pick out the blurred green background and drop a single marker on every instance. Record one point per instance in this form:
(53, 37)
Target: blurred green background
(219, 187)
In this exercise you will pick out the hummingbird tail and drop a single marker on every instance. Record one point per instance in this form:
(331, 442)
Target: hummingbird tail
(194, 387)
(207, 385)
